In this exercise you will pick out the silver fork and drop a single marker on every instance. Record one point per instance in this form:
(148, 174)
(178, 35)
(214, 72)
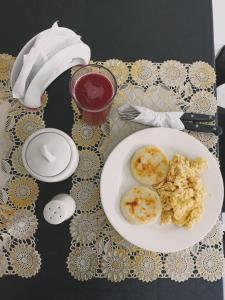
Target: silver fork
(129, 115)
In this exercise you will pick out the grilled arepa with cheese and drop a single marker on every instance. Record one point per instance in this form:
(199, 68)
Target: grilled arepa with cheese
(141, 205)
(149, 165)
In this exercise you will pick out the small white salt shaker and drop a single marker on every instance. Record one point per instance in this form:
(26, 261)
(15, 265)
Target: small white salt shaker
(59, 209)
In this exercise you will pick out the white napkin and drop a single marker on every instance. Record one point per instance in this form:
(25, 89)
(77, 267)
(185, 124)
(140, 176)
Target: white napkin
(46, 46)
(155, 119)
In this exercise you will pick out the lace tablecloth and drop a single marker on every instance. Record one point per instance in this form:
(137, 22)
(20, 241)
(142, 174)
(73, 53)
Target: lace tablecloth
(97, 250)
(18, 190)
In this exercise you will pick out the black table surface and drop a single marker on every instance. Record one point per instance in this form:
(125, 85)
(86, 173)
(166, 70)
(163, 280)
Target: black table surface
(128, 30)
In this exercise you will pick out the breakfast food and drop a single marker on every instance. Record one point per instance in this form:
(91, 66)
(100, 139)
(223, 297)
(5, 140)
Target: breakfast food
(141, 205)
(149, 165)
(178, 189)
(182, 192)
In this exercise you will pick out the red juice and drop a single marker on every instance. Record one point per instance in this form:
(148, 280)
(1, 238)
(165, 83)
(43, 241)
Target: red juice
(93, 93)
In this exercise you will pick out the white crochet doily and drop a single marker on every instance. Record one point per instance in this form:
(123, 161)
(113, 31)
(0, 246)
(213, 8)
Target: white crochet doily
(97, 250)
(18, 190)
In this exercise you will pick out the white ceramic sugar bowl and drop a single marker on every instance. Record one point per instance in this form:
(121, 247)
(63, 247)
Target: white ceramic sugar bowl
(50, 155)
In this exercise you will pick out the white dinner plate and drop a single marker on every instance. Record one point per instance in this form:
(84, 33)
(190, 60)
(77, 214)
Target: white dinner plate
(116, 179)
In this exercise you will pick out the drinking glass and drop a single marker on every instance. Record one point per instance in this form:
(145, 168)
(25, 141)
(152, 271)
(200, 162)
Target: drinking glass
(93, 88)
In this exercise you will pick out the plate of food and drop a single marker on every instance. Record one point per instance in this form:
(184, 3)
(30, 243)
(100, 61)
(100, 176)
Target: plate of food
(161, 189)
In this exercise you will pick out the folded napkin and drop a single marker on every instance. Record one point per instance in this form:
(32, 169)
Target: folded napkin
(146, 116)
(57, 42)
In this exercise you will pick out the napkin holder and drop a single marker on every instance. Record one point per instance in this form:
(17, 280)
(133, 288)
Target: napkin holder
(77, 53)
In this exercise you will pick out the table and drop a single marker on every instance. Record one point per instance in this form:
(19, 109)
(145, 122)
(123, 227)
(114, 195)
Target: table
(128, 30)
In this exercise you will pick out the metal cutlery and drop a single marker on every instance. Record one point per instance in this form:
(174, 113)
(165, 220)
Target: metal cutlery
(197, 117)
(217, 130)
(188, 119)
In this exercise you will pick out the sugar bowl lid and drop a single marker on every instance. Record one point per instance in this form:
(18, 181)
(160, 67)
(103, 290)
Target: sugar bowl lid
(50, 155)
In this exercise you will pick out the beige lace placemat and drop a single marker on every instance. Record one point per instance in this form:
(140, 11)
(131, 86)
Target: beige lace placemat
(97, 250)
(18, 190)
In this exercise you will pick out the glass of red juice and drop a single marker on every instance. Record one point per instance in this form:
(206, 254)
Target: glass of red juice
(93, 88)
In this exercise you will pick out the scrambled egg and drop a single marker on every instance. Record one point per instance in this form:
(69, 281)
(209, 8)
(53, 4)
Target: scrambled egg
(182, 192)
